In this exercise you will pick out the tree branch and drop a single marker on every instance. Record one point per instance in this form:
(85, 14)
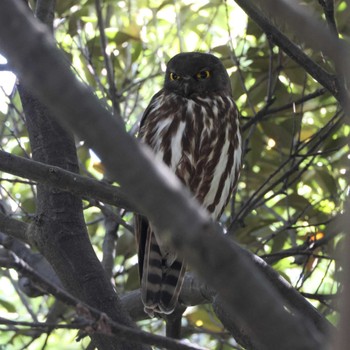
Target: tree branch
(328, 9)
(108, 63)
(15, 228)
(45, 11)
(65, 180)
(263, 113)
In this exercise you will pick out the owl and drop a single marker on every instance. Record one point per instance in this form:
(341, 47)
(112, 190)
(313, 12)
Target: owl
(192, 125)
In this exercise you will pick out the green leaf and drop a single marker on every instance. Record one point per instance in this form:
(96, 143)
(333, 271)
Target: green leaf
(279, 241)
(326, 181)
(9, 307)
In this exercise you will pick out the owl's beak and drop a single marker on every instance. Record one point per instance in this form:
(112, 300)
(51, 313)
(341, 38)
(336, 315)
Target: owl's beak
(186, 85)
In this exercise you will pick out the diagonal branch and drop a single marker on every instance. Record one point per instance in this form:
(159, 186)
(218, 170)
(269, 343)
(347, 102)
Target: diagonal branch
(14, 228)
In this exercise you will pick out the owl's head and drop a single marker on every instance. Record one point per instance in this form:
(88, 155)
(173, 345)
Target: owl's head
(193, 72)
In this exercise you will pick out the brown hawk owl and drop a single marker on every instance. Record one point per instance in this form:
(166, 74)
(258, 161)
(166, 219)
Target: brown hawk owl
(192, 126)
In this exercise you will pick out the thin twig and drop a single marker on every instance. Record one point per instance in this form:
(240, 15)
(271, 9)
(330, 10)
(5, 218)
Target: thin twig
(328, 9)
(108, 63)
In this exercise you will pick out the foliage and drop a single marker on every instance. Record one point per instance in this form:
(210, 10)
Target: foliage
(293, 184)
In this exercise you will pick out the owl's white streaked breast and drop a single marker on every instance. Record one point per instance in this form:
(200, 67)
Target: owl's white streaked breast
(176, 146)
(202, 117)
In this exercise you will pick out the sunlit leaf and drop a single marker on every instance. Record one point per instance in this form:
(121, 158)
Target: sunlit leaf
(202, 319)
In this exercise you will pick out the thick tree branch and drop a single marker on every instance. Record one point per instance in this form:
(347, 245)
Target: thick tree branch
(155, 189)
(45, 12)
(65, 180)
(14, 228)
(342, 337)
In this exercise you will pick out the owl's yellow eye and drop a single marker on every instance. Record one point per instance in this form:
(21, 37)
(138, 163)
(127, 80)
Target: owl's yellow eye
(203, 74)
(174, 76)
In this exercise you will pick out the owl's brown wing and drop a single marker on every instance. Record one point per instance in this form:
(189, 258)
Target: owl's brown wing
(161, 272)
(150, 107)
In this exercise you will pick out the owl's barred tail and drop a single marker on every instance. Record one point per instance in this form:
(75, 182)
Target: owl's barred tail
(160, 284)
(151, 274)
(172, 282)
